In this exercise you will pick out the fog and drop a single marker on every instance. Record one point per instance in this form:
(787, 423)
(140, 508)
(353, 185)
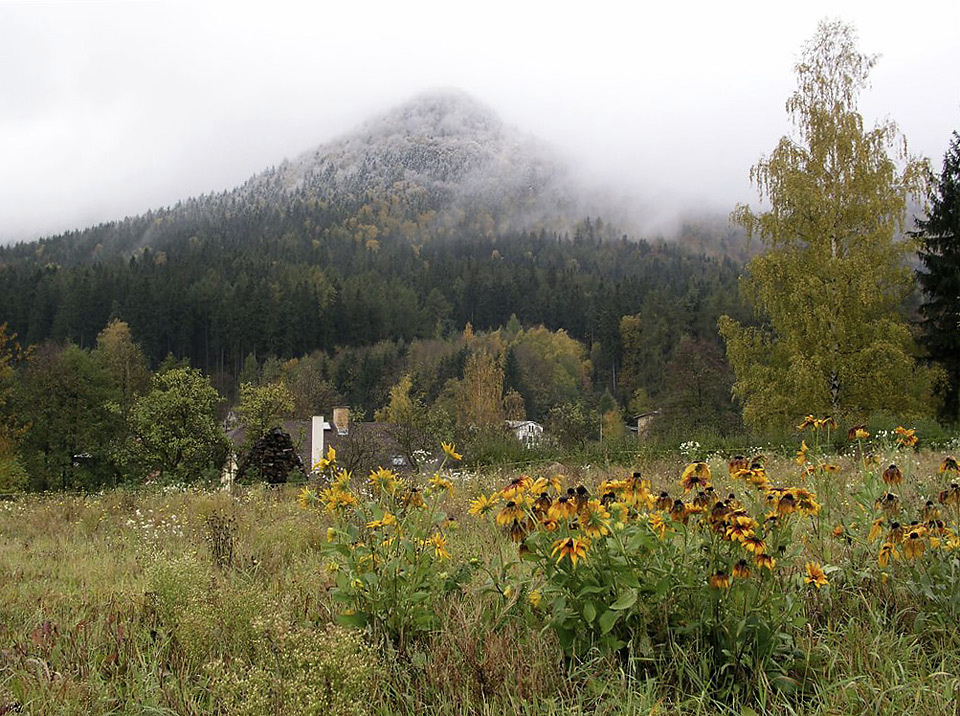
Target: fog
(109, 109)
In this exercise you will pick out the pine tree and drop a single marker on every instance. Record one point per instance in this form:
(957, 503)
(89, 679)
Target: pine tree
(939, 236)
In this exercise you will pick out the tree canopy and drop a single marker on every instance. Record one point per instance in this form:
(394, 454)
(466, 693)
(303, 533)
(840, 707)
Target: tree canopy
(828, 287)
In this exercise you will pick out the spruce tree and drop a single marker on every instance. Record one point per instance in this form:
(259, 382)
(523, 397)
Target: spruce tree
(939, 236)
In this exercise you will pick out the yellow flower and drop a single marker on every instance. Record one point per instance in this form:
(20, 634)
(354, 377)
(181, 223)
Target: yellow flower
(330, 460)
(482, 505)
(887, 550)
(658, 525)
(510, 512)
(802, 454)
(449, 451)
(517, 487)
(741, 570)
(949, 465)
(437, 483)
(535, 599)
(838, 531)
(570, 547)
(807, 422)
(412, 497)
(595, 519)
(858, 432)
(720, 580)
(892, 475)
(740, 527)
(338, 499)
(384, 480)
(906, 438)
(754, 544)
(876, 529)
(384, 521)
(765, 561)
(815, 575)
(439, 544)
(542, 483)
(563, 509)
(695, 475)
(342, 478)
(913, 543)
(306, 497)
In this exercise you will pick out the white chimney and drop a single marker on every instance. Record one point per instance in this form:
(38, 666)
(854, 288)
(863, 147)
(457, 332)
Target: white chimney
(316, 440)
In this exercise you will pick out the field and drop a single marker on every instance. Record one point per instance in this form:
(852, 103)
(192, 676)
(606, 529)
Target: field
(825, 585)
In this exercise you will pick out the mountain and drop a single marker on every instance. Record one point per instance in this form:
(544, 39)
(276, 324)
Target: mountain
(439, 163)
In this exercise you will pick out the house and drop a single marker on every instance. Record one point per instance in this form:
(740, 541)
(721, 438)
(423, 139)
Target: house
(359, 446)
(526, 431)
(640, 424)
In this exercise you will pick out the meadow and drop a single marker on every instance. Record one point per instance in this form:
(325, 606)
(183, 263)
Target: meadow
(781, 581)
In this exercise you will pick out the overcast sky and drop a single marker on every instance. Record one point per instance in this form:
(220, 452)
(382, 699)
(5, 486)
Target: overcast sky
(110, 108)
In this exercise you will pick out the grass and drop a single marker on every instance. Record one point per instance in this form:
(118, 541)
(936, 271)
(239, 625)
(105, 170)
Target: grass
(179, 600)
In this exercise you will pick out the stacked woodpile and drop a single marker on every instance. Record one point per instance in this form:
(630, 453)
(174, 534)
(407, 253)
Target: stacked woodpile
(273, 457)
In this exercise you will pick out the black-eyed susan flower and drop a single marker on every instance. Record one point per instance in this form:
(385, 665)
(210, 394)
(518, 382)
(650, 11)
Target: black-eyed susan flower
(737, 463)
(914, 542)
(807, 504)
(412, 497)
(802, 453)
(740, 527)
(892, 475)
(754, 544)
(510, 512)
(658, 525)
(636, 492)
(839, 530)
(581, 496)
(950, 496)
(450, 451)
(562, 509)
(787, 504)
(595, 519)
(906, 438)
(720, 580)
(483, 504)
(888, 503)
(535, 598)
(887, 551)
(541, 505)
(663, 501)
(765, 561)
(807, 422)
(895, 535)
(519, 529)
(930, 512)
(949, 466)
(858, 432)
(516, 487)
(876, 529)
(570, 547)
(815, 575)
(741, 570)
(542, 484)
(696, 475)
